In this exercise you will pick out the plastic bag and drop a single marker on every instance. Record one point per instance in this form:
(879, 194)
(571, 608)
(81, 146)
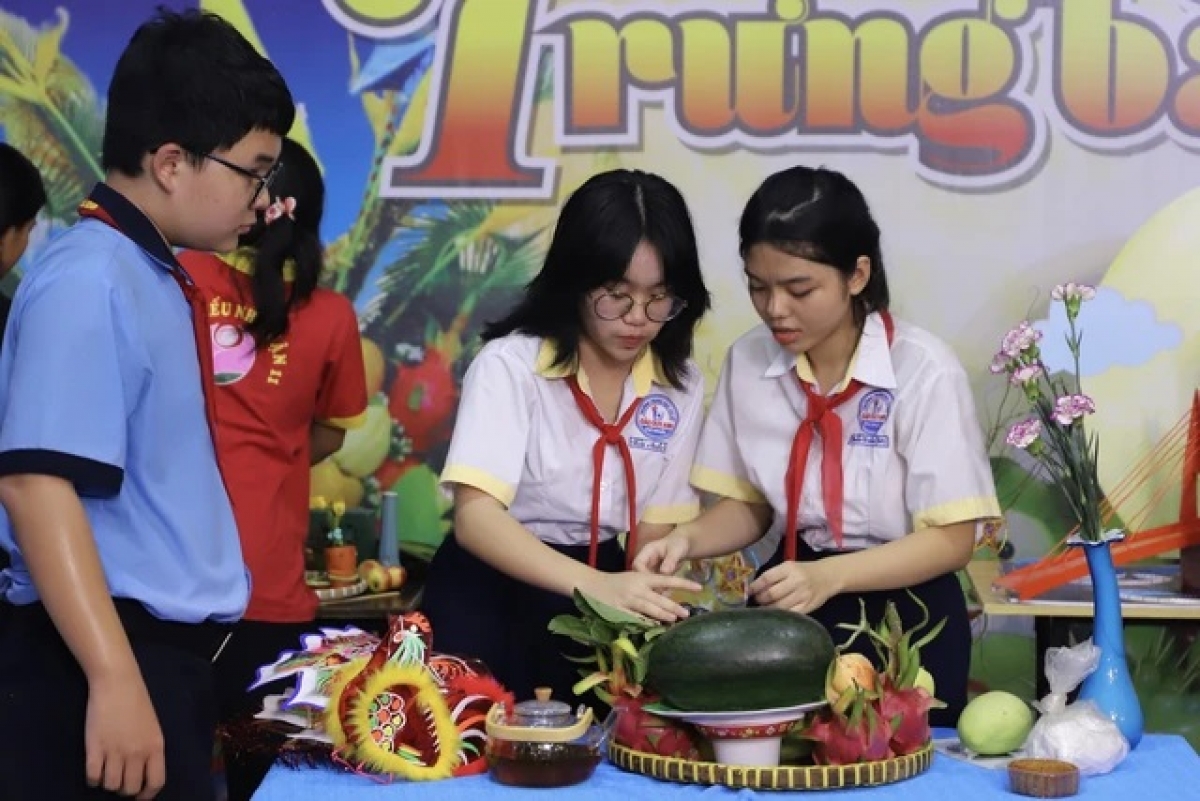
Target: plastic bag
(1078, 733)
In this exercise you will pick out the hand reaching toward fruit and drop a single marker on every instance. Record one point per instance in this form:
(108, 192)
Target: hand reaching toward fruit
(641, 593)
(798, 586)
(615, 671)
(663, 556)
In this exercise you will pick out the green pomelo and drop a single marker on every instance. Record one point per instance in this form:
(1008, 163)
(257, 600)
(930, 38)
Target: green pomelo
(995, 723)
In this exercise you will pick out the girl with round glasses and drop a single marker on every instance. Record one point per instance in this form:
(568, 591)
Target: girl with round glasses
(576, 429)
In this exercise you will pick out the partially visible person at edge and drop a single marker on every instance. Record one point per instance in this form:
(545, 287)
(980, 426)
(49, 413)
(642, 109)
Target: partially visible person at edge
(598, 349)
(126, 568)
(22, 196)
(857, 430)
(289, 382)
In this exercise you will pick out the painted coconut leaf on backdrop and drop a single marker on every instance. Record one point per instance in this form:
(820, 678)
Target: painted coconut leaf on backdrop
(50, 111)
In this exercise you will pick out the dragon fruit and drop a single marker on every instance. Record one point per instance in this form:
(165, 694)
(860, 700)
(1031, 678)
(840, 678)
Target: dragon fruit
(871, 716)
(644, 731)
(907, 710)
(861, 736)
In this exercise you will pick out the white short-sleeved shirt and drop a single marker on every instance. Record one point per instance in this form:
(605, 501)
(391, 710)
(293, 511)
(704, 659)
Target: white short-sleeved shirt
(913, 452)
(521, 438)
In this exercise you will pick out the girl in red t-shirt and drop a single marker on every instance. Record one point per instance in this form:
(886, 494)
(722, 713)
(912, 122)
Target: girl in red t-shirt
(290, 381)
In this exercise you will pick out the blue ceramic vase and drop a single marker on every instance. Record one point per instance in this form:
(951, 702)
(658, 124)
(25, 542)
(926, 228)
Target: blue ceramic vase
(1110, 687)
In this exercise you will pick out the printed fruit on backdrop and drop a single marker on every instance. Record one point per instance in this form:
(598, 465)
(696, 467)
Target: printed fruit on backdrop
(373, 365)
(391, 471)
(365, 447)
(328, 481)
(995, 723)
(353, 491)
(422, 400)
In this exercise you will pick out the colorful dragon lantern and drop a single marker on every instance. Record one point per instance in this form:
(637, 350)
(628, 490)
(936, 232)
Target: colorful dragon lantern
(391, 707)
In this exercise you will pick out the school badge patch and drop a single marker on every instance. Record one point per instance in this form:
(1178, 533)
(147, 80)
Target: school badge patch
(874, 408)
(657, 418)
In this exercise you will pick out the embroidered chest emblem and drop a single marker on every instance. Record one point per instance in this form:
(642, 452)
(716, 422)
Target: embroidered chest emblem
(657, 419)
(874, 409)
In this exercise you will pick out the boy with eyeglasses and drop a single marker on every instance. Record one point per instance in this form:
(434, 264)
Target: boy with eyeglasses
(126, 565)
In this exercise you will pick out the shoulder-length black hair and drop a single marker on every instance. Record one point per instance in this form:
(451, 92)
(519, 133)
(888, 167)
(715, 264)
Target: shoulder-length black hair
(293, 241)
(819, 215)
(599, 228)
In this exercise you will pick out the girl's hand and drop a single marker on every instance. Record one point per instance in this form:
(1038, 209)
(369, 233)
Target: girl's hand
(663, 556)
(641, 593)
(798, 586)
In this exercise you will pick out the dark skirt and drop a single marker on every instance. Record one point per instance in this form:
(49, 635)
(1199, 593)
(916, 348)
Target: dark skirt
(477, 611)
(947, 657)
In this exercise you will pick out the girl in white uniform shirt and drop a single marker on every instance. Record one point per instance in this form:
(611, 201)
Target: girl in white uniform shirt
(856, 429)
(601, 341)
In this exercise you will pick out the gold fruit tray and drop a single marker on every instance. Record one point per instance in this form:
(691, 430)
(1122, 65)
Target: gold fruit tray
(784, 777)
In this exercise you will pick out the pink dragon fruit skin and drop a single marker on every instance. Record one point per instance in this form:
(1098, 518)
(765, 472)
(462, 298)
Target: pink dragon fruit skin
(908, 712)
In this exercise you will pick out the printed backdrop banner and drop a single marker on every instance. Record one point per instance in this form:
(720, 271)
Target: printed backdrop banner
(1005, 145)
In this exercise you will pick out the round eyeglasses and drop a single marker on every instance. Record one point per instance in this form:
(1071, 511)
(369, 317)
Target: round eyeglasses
(659, 308)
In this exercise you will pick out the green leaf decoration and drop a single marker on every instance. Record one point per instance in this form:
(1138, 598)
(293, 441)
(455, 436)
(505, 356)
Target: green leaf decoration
(572, 627)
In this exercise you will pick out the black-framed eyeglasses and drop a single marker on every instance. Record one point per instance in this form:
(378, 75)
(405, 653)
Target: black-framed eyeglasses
(659, 308)
(264, 181)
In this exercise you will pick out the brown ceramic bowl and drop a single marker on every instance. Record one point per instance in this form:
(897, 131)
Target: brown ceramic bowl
(1043, 778)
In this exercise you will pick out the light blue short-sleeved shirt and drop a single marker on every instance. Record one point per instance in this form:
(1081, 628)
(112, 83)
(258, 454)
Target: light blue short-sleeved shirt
(100, 384)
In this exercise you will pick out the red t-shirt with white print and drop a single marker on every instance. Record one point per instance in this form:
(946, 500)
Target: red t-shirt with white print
(267, 402)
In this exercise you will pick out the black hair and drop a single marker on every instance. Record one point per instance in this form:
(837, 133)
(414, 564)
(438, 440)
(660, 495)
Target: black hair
(819, 215)
(192, 79)
(22, 193)
(599, 228)
(291, 240)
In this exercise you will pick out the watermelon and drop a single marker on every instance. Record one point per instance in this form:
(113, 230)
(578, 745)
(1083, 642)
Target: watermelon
(741, 660)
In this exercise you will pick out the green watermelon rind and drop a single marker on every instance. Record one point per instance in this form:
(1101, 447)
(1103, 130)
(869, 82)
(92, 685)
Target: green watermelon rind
(741, 660)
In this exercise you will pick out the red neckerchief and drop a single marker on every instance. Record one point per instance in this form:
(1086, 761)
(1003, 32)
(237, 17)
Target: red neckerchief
(822, 418)
(610, 434)
(91, 209)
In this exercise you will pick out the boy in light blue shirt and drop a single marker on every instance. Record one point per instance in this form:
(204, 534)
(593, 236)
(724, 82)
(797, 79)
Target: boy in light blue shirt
(126, 567)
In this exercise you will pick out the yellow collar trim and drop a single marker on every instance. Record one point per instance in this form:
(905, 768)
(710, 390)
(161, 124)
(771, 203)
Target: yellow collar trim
(646, 370)
(870, 363)
(805, 371)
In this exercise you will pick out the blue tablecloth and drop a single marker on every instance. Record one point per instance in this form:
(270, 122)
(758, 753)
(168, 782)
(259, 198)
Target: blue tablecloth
(1163, 768)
